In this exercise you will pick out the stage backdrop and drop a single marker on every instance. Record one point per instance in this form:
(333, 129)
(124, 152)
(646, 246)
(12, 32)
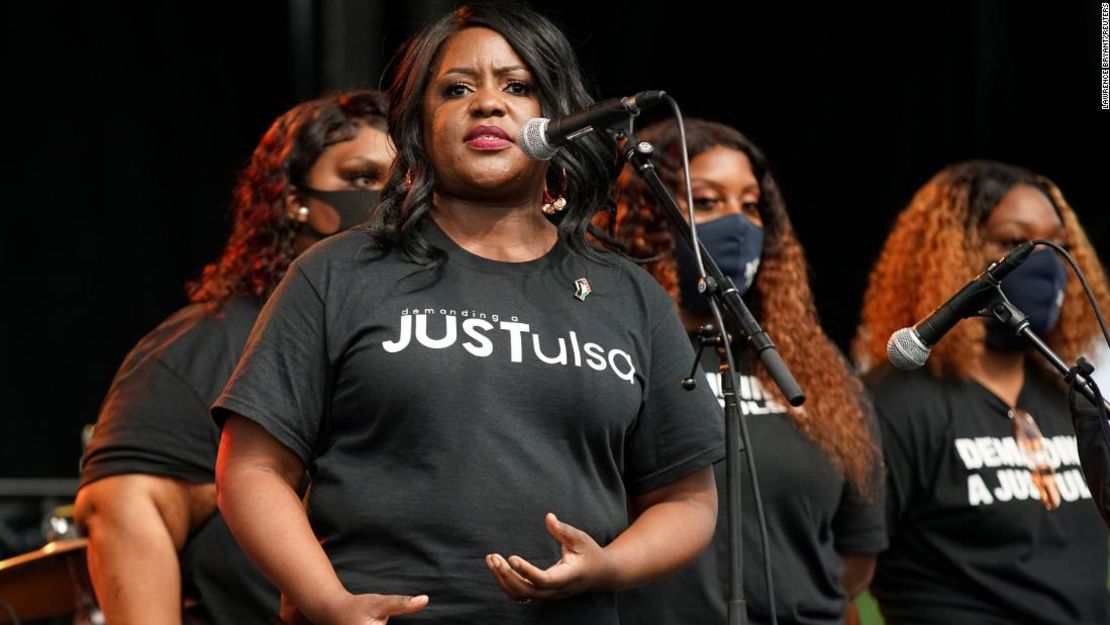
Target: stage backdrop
(126, 126)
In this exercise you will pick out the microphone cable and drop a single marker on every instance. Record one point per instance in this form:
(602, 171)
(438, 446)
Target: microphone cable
(744, 436)
(1060, 250)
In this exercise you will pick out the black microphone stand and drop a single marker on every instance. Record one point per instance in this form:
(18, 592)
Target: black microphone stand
(1000, 307)
(732, 314)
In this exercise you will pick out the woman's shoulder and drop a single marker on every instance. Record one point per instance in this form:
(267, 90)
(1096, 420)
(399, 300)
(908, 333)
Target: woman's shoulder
(886, 380)
(629, 291)
(909, 395)
(201, 322)
(350, 245)
(196, 340)
(626, 274)
(343, 255)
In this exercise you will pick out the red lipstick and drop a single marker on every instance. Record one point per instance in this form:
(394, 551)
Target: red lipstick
(487, 138)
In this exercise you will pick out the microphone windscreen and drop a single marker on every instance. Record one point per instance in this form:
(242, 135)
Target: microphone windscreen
(906, 351)
(533, 140)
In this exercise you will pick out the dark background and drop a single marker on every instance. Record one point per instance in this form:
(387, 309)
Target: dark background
(126, 126)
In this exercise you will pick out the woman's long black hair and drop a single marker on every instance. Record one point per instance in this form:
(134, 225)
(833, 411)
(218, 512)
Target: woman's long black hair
(590, 164)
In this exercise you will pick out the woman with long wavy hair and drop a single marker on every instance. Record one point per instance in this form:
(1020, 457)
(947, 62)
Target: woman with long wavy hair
(159, 552)
(990, 519)
(817, 466)
(478, 396)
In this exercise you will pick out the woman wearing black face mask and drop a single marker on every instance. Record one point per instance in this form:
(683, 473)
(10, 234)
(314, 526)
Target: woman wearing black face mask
(818, 467)
(334, 171)
(158, 550)
(990, 519)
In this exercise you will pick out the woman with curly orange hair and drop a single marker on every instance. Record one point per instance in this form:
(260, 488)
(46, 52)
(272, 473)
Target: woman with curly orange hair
(158, 550)
(818, 465)
(982, 531)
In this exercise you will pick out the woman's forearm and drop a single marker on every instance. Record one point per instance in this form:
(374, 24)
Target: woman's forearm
(135, 525)
(268, 519)
(675, 524)
(858, 571)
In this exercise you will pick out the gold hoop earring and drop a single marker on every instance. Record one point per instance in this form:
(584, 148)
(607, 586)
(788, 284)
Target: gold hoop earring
(553, 204)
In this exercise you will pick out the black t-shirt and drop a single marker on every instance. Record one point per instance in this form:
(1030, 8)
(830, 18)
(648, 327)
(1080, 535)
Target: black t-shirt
(442, 418)
(970, 540)
(155, 420)
(813, 515)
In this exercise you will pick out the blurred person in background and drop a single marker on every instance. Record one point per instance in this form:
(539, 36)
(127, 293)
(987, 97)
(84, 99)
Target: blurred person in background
(989, 516)
(159, 551)
(818, 466)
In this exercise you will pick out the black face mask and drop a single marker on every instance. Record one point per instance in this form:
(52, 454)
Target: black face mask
(353, 206)
(1037, 289)
(735, 242)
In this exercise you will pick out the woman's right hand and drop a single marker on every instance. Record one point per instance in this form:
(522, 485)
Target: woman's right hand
(358, 610)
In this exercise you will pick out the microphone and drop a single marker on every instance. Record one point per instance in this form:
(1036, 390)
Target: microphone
(541, 138)
(909, 348)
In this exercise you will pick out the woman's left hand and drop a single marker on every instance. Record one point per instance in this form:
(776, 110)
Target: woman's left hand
(585, 566)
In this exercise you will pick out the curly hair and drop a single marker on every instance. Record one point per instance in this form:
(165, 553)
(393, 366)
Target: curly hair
(590, 165)
(261, 244)
(835, 413)
(936, 246)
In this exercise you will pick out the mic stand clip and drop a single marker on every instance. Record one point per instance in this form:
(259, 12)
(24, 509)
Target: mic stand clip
(999, 307)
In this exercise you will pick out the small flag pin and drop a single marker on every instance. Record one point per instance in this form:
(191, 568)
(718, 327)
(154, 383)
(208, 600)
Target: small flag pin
(582, 289)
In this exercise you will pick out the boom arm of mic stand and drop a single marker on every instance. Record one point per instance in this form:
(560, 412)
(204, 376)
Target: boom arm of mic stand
(742, 321)
(1001, 309)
